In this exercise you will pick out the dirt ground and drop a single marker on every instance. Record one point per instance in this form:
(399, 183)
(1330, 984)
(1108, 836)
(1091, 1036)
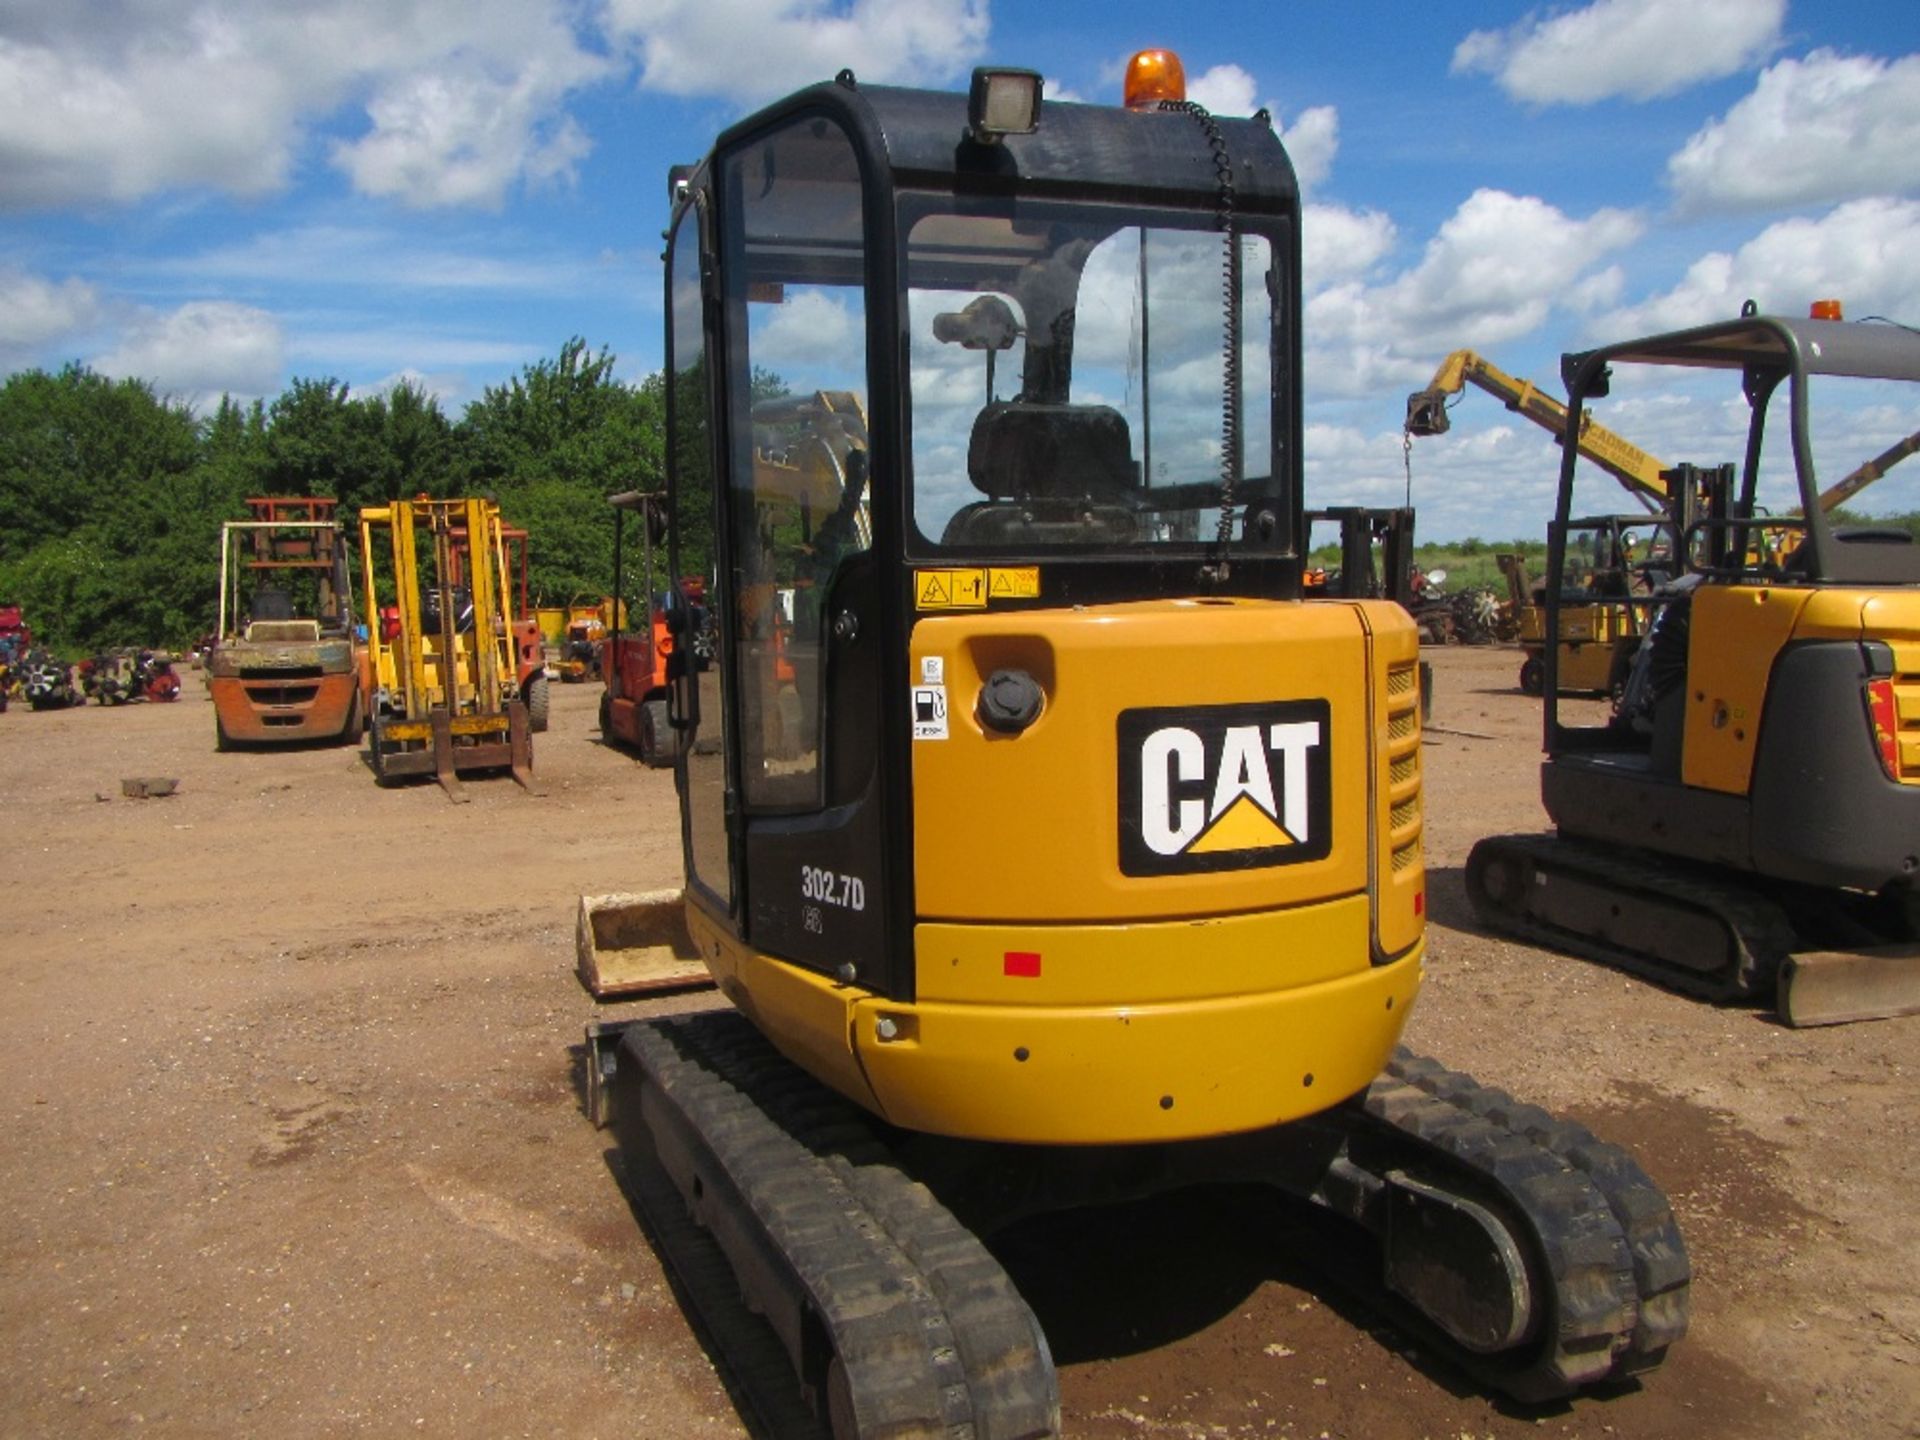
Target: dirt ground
(294, 1141)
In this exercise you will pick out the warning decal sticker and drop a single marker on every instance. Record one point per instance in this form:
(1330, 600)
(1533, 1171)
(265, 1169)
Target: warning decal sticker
(1022, 583)
(950, 589)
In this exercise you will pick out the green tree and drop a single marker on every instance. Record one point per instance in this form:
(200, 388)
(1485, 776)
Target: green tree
(111, 499)
(76, 443)
(421, 455)
(551, 445)
(102, 503)
(321, 441)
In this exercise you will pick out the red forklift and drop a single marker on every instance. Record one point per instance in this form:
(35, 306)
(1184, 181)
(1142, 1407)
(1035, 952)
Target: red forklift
(633, 665)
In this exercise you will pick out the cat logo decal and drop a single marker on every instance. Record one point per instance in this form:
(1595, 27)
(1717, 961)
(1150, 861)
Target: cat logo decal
(1224, 787)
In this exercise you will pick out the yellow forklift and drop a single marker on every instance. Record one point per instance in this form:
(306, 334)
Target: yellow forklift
(1604, 611)
(443, 652)
(1093, 865)
(1746, 823)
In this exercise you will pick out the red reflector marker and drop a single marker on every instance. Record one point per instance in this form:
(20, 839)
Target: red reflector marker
(1419, 902)
(1024, 963)
(1883, 714)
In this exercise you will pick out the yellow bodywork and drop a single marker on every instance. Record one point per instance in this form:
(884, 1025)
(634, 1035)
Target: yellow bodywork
(1735, 635)
(1061, 1001)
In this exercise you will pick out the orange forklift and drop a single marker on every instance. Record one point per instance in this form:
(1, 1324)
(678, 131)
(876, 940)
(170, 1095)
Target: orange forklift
(287, 664)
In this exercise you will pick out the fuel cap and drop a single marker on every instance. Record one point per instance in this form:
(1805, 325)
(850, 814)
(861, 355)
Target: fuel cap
(1009, 701)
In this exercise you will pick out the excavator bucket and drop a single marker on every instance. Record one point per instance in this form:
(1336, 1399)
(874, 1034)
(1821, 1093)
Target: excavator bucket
(1832, 987)
(1427, 413)
(636, 945)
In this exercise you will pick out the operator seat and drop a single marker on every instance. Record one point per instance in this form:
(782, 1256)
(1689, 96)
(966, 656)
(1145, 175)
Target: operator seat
(270, 602)
(1053, 475)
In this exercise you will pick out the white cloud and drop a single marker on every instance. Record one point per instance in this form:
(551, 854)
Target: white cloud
(1640, 49)
(188, 94)
(34, 310)
(1224, 90)
(372, 345)
(463, 135)
(1597, 291)
(1814, 131)
(1340, 244)
(115, 114)
(1311, 142)
(1865, 253)
(752, 50)
(381, 258)
(1312, 139)
(1493, 272)
(203, 349)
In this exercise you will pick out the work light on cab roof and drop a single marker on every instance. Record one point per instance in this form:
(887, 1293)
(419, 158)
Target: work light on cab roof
(1003, 101)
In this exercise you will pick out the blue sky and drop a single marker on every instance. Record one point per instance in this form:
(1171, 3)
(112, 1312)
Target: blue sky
(221, 197)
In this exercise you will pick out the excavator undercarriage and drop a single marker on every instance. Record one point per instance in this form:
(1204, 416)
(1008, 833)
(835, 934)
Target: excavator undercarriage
(1821, 957)
(1537, 1258)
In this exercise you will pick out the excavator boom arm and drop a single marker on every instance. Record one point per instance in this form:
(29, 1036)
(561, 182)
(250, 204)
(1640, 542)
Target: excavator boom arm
(1845, 489)
(1618, 456)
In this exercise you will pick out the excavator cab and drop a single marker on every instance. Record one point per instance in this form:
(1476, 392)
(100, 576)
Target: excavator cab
(1052, 847)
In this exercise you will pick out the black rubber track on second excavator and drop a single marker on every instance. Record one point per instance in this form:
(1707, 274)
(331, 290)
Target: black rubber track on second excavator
(930, 1329)
(1760, 930)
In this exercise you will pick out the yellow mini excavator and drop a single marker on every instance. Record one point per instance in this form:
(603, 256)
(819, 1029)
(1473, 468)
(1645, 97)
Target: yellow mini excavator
(1747, 823)
(1093, 865)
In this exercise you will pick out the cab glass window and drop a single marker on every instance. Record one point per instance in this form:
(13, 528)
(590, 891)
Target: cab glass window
(797, 377)
(1069, 382)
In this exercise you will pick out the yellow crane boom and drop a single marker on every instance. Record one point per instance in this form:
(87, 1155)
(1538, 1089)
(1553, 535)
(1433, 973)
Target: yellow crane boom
(1643, 475)
(1618, 456)
(1868, 473)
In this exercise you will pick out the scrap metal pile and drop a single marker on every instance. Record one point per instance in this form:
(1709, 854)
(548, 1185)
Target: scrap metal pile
(115, 677)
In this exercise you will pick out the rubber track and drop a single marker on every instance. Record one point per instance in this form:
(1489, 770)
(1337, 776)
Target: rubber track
(1760, 930)
(934, 1339)
(754, 1363)
(1662, 1273)
(1601, 1233)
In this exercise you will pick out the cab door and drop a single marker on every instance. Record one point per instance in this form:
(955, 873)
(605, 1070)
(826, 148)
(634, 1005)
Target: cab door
(698, 688)
(791, 812)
